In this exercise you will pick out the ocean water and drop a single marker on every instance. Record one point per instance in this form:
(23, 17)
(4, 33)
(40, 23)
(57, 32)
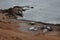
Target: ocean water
(44, 10)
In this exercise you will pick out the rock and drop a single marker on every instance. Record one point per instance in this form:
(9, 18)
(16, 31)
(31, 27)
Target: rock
(33, 29)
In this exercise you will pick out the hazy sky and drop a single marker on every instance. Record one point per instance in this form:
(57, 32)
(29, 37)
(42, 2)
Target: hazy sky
(44, 10)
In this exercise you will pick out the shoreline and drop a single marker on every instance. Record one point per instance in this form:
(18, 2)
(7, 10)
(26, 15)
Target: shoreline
(38, 22)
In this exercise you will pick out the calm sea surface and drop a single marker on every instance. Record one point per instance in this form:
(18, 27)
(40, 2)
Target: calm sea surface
(44, 10)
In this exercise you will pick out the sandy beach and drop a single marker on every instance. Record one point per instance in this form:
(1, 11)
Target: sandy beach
(40, 23)
(17, 30)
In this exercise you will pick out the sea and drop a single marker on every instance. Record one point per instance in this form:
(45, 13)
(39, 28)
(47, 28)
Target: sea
(47, 11)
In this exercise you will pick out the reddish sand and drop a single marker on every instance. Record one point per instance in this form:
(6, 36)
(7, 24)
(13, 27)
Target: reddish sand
(14, 30)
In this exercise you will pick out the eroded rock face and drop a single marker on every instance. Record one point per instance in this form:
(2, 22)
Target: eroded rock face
(14, 11)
